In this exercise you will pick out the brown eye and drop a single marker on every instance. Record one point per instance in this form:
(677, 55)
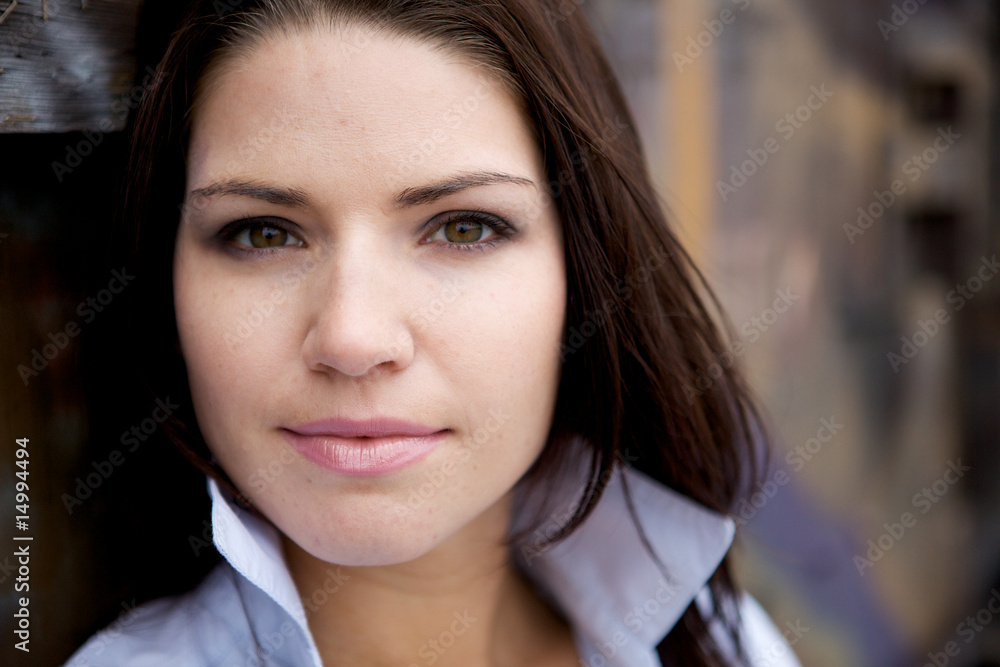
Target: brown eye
(264, 236)
(463, 231)
(471, 230)
(251, 235)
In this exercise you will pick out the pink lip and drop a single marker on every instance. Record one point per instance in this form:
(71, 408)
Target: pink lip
(358, 428)
(365, 447)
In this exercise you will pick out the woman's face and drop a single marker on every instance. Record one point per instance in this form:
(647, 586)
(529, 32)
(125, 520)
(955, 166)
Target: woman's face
(365, 236)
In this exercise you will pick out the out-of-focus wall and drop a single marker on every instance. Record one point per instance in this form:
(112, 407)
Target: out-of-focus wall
(833, 167)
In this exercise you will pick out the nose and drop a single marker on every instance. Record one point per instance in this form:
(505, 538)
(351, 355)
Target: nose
(358, 316)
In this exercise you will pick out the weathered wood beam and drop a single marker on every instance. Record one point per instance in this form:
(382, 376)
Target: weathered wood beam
(67, 65)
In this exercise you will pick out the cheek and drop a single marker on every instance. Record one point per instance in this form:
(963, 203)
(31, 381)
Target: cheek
(231, 342)
(506, 324)
(500, 348)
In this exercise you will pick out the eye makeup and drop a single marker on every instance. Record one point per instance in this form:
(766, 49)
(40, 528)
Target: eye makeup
(251, 236)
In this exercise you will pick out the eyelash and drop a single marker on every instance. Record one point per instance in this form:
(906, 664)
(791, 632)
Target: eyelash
(503, 231)
(228, 234)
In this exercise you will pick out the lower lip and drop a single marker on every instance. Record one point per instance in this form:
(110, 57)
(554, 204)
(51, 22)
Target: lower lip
(364, 456)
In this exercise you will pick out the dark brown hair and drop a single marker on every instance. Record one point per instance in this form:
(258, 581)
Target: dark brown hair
(637, 338)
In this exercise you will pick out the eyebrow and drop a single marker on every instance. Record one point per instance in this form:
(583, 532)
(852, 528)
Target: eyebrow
(449, 186)
(289, 197)
(414, 196)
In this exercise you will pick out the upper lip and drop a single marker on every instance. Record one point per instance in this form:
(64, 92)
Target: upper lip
(376, 427)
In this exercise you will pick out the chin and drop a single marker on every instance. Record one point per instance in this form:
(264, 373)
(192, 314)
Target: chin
(388, 553)
(368, 550)
(373, 537)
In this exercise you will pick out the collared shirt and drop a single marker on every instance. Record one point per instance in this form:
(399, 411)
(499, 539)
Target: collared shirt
(618, 600)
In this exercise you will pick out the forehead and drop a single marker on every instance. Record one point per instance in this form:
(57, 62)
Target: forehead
(377, 106)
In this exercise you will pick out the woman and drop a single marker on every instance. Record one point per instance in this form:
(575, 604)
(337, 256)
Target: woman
(441, 347)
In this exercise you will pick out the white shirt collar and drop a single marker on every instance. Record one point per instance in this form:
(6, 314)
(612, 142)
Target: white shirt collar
(616, 598)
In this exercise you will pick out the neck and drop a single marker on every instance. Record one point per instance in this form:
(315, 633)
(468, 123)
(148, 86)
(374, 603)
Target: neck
(463, 603)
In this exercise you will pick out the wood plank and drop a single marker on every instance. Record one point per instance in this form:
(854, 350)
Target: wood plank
(67, 65)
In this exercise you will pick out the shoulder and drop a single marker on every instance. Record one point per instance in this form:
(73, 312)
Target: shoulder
(765, 645)
(201, 627)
